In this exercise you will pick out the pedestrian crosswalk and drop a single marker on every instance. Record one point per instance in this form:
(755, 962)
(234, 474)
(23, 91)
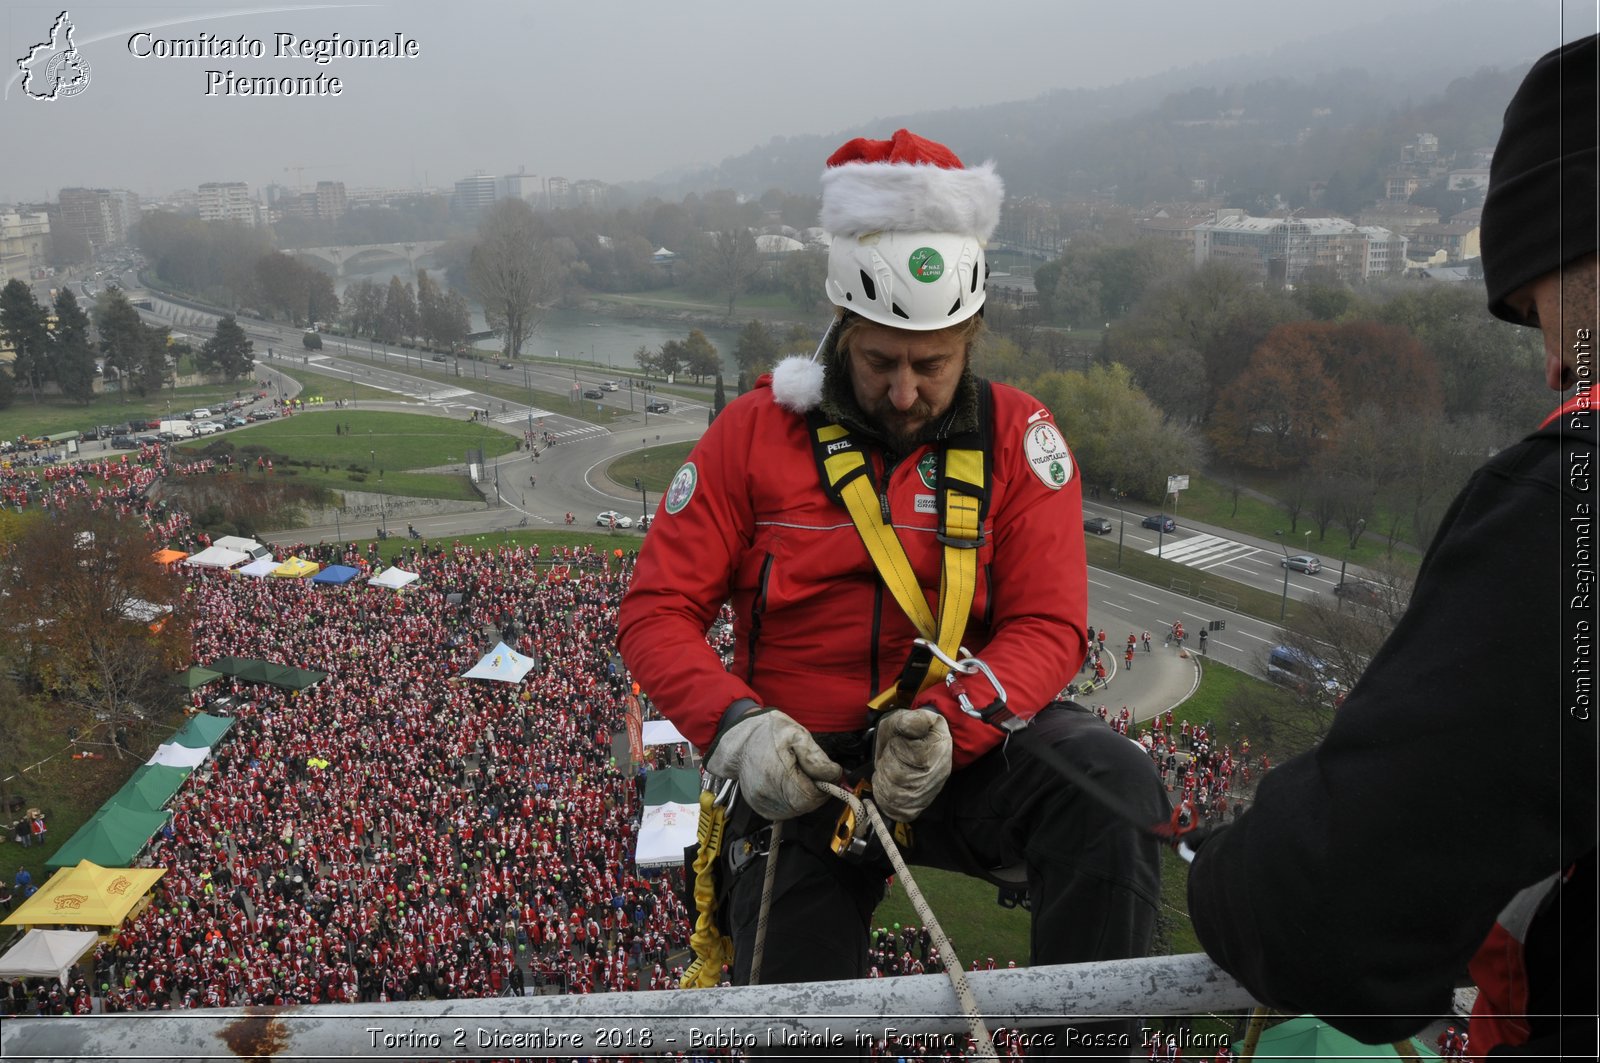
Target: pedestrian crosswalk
(1203, 551)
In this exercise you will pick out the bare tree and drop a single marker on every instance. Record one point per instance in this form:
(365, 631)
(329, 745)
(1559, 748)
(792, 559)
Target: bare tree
(513, 271)
(1336, 636)
(730, 263)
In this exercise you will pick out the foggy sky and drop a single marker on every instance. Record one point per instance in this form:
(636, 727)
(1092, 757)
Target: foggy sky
(603, 89)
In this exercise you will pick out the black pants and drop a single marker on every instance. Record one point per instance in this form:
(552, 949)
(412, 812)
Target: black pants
(1094, 883)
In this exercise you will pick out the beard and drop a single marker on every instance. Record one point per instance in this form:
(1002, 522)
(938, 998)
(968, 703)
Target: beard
(904, 428)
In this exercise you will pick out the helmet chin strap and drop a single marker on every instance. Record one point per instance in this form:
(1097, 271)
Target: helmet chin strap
(822, 344)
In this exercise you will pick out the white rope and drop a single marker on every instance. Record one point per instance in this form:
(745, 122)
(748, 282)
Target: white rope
(866, 811)
(758, 953)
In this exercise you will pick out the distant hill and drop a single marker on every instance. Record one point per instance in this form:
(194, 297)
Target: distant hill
(1268, 121)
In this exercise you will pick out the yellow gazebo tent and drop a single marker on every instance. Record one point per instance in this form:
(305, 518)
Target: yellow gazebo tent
(297, 568)
(87, 895)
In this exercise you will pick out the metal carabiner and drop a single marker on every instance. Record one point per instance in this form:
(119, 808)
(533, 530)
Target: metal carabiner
(967, 664)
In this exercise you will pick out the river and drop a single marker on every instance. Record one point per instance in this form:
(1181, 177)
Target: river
(584, 335)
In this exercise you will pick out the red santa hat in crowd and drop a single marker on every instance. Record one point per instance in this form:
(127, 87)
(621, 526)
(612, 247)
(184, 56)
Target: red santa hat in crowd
(907, 222)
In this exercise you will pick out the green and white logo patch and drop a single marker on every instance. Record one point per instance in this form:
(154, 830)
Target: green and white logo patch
(928, 469)
(682, 487)
(1047, 455)
(927, 265)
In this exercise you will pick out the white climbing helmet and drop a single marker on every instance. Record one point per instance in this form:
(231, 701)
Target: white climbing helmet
(908, 223)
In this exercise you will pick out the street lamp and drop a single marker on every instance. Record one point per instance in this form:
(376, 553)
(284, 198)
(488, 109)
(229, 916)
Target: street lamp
(1283, 611)
(1122, 524)
(1345, 560)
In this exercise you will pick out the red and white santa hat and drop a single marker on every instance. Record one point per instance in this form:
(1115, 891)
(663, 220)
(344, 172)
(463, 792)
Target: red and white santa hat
(908, 184)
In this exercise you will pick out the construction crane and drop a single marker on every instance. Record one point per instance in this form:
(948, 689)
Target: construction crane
(300, 169)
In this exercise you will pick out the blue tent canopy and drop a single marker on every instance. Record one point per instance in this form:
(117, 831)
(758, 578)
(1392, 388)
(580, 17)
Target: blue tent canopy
(336, 574)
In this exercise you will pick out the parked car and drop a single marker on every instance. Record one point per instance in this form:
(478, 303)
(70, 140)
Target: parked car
(234, 421)
(205, 428)
(1360, 592)
(199, 415)
(593, 393)
(1302, 563)
(1098, 525)
(261, 415)
(122, 443)
(1301, 671)
(657, 406)
(612, 519)
(645, 521)
(1159, 522)
(441, 358)
(610, 385)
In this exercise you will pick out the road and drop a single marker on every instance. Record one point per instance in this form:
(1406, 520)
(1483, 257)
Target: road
(1253, 562)
(570, 478)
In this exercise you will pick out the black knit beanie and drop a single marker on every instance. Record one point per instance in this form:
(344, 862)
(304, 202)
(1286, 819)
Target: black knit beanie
(1541, 211)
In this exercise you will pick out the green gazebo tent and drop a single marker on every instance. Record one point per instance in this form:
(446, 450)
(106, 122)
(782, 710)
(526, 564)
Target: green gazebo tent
(677, 785)
(149, 788)
(190, 678)
(202, 731)
(252, 670)
(1308, 1037)
(111, 838)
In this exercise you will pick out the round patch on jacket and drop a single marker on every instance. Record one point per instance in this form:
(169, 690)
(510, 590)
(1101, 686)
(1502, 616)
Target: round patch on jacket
(682, 487)
(1047, 455)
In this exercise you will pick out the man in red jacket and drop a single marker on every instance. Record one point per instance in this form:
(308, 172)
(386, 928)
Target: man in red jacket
(822, 630)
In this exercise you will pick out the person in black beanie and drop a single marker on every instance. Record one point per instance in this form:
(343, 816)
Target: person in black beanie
(1447, 824)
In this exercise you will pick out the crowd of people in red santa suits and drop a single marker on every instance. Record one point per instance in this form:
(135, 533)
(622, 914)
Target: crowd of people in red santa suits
(120, 482)
(1208, 774)
(394, 832)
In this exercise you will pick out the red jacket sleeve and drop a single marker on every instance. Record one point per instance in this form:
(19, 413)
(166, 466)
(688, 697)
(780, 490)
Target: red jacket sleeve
(684, 574)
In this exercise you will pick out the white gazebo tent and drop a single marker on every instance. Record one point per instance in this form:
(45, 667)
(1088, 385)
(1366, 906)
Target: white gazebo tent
(393, 578)
(502, 665)
(260, 568)
(216, 557)
(46, 953)
(661, 733)
(173, 755)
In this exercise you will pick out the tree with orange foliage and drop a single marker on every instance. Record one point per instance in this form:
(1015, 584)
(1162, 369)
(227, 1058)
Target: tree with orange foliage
(78, 594)
(1280, 410)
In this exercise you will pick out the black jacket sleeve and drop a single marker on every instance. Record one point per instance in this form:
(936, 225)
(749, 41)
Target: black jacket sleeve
(1370, 869)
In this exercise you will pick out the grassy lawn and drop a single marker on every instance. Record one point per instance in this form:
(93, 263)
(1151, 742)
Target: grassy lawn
(653, 467)
(329, 387)
(557, 402)
(384, 452)
(1211, 502)
(52, 414)
(36, 762)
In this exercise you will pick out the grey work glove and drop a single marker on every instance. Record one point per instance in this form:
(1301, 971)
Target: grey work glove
(776, 762)
(911, 761)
